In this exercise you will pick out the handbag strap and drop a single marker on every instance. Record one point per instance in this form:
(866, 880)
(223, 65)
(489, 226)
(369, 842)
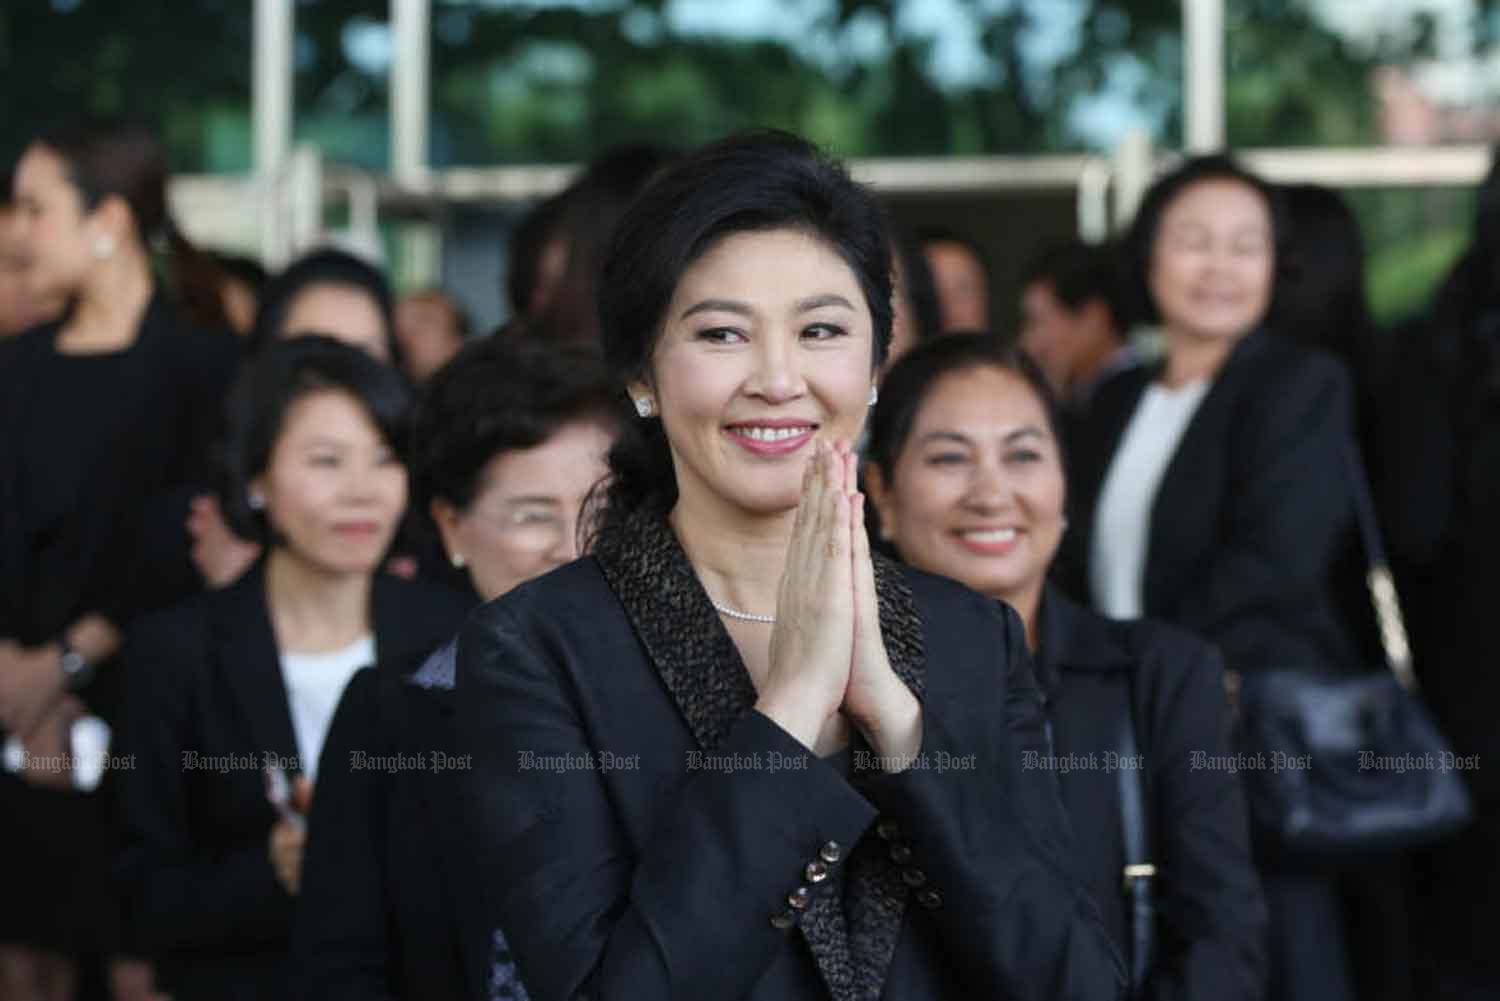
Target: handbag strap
(1378, 579)
(1139, 873)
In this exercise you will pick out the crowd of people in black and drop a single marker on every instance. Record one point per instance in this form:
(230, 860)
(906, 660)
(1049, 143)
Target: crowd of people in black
(759, 613)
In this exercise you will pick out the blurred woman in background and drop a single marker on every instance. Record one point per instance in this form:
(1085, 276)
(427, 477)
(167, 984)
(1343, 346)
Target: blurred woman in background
(965, 468)
(103, 413)
(508, 443)
(330, 292)
(1209, 493)
(333, 293)
(235, 688)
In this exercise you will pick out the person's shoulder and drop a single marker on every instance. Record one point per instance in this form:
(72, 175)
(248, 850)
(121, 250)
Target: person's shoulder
(1294, 366)
(949, 609)
(426, 600)
(23, 345)
(1173, 666)
(1160, 643)
(203, 352)
(175, 639)
(574, 593)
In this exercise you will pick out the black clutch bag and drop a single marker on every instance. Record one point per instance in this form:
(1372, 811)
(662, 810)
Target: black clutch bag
(1341, 765)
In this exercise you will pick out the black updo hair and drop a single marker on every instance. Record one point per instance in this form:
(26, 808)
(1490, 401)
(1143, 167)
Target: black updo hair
(328, 266)
(1140, 241)
(910, 381)
(284, 373)
(750, 182)
(504, 392)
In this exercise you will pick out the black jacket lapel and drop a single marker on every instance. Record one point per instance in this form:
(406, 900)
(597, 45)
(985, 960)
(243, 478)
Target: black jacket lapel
(245, 644)
(1178, 490)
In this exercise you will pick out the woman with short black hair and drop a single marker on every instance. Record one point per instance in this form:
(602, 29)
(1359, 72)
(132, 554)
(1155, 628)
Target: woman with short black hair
(508, 444)
(237, 686)
(728, 754)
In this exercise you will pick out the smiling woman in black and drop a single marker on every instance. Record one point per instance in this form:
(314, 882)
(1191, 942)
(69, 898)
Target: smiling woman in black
(243, 678)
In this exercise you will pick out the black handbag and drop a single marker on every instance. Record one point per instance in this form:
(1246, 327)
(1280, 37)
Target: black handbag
(1339, 765)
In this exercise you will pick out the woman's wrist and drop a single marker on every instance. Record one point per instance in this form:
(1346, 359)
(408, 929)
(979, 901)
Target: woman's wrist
(796, 710)
(894, 727)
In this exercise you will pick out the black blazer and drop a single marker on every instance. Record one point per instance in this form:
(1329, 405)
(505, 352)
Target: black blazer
(1253, 543)
(641, 830)
(386, 896)
(205, 706)
(1212, 916)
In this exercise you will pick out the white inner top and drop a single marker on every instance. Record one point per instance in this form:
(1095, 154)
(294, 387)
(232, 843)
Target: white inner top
(314, 683)
(1122, 521)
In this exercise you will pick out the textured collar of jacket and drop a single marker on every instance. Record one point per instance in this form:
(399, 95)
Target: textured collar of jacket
(700, 666)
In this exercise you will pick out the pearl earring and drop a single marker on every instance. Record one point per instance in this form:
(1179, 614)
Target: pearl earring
(874, 395)
(104, 246)
(458, 561)
(257, 501)
(644, 406)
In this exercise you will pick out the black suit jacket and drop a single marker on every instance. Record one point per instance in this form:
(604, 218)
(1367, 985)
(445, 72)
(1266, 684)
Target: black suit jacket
(1212, 916)
(641, 827)
(387, 897)
(205, 706)
(1253, 543)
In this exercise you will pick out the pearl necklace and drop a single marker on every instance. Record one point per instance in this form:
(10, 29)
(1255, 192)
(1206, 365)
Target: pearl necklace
(735, 613)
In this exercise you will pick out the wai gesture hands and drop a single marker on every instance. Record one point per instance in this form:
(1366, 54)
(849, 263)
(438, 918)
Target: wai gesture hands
(827, 653)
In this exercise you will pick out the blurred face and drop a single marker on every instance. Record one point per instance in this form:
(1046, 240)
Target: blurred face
(343, 312)
(963, 291)
(1213, 261)
(19, 308)
(334, 490)
(54, 234)
(523, 521)
(977, 492)
(766, 346)
(426, 328)
(1068, 344)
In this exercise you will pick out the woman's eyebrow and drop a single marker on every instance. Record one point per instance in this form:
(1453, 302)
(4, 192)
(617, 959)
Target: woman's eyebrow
(819, 301)
(718, 306)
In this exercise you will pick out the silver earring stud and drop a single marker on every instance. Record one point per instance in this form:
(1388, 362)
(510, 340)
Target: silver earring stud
(257, 501)
(644, 406)
(874, 395)
(104, 246)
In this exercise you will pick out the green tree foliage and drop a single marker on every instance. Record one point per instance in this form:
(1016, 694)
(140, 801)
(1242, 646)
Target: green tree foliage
(529, 82)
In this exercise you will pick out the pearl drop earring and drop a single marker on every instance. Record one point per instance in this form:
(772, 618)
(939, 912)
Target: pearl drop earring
(874, 395)
(458, 561)
(104, 246)
(644, 406)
